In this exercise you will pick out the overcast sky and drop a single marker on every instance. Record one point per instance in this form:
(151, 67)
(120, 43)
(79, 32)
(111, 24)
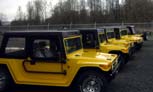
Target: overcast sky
(9, 7)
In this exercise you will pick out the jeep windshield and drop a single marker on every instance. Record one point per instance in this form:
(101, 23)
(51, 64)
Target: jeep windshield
(131, 31)
(72, 44)
(102, 38)
(124, 32)
(110, 35)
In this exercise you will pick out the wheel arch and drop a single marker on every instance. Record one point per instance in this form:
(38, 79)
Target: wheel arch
(116, 52)
(5, 67)
(83, 69)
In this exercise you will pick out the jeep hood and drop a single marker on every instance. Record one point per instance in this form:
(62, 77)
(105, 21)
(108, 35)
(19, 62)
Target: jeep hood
(120, 42)
(133, 38)
(93, 56)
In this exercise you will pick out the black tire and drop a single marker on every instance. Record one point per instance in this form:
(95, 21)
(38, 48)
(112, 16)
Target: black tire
(90, 81)
(5, 80)
(139, 47)
(122, 61)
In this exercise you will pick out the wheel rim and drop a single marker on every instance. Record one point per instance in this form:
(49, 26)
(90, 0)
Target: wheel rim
(92, 84)
(2, 81)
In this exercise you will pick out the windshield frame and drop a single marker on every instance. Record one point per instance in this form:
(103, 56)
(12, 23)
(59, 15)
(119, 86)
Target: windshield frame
(132, 30)
(110, 30)
(1, 39)
(121, 30)
(70, 38)
(100, 40)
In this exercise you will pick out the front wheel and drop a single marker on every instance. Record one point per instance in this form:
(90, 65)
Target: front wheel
(4, 80)
(121, 61)
(139, 47)
(90, 81)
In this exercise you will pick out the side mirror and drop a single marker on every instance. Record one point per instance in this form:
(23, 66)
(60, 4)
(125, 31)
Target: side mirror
(32, 62)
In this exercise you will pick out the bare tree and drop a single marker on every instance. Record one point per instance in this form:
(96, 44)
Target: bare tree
(88, 11)
(138, 10)
(20, 14)
(38, 11)
(44, 9)
(83, 17)
(95, 10)
(30, 12)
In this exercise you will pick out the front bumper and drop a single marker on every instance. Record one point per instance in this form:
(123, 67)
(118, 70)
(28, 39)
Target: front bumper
(115, 67)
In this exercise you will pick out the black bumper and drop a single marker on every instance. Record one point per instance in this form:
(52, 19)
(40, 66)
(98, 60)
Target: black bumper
(112, 73)
(138, 45)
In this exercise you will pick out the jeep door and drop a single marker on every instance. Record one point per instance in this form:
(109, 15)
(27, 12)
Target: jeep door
(36, 60)
(46, 63)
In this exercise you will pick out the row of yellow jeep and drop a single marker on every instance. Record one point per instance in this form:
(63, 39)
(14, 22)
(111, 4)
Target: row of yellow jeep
(84, 59)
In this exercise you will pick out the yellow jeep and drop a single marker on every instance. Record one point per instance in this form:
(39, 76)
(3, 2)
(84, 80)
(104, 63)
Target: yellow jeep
(53, 58)
(136, 39)
(114, 37)
(95, 40)
(131, 31)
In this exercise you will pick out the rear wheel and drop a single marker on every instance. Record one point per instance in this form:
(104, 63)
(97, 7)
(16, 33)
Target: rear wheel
(90, 81)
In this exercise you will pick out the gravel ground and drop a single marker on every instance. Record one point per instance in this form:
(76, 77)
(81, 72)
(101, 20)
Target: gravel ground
(137, 76)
